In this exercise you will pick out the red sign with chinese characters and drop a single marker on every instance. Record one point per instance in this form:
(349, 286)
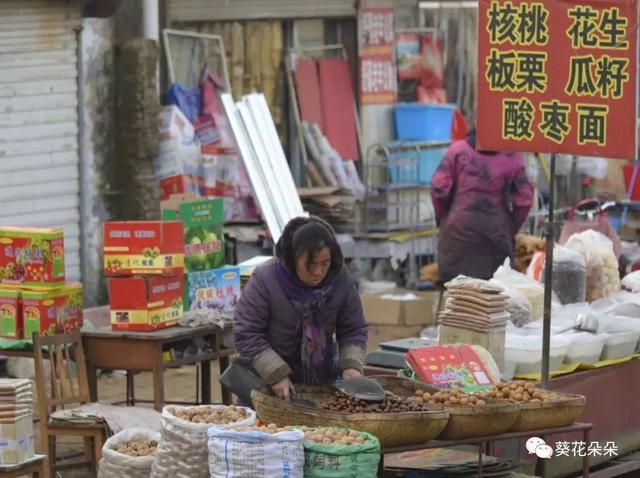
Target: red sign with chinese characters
(558, 77)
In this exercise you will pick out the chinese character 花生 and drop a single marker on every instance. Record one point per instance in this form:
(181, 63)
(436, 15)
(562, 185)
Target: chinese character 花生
(531, 74)
(563, 448)
(581, 81)
(584, 27)
(611, 76)
(501, 70)
(613, 28)
(503, 23)
(532, 27)
(517, 119)
(555, 120)
(592, 124)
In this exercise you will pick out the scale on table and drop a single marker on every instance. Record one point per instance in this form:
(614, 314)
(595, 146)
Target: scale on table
(391, 354)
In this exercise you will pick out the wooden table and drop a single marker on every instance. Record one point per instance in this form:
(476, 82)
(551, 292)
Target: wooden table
(484, 445)
(143, 352)
(33, 467)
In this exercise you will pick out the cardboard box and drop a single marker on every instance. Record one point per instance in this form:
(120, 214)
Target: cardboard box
(181, 184)
(492, 340)
(143, 247)
(172, 123)
(217, 289)
(419, 311)
(17, 440)
(385, 333)
(145, 303)
(31, 257)
(203, 232)
(52, 312)
(10, 314)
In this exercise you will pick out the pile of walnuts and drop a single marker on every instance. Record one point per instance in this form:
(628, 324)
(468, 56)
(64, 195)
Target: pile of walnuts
(520, 391)
(448, 398)
(211, 415)
(333, 436)
(137, 447)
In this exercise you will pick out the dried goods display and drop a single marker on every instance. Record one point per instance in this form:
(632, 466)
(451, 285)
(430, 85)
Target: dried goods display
(569, 275)
(390, 404)
(137, 447)
(449, 398)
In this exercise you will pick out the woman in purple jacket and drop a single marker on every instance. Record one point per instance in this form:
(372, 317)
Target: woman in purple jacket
(481, 200)
(294, 305)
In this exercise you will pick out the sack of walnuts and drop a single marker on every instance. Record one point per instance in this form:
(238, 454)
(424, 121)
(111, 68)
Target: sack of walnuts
(129, 454)
(255, 453)
(183, 452)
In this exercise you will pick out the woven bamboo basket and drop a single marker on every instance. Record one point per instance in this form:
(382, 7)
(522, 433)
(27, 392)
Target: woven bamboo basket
(392, 429)
(550, 414)
(494, 418)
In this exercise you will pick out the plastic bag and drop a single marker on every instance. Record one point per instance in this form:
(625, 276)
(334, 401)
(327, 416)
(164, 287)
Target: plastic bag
(592, 166)
(469, 283)
(183, 452)
(631, 282)
(255, 454)
(531, 289)
(118, 465)
(569, 275)
(342, 461)
(603, 279)
(188, 100)
(518, 307)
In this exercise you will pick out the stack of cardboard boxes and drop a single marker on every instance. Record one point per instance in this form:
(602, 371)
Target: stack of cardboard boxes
(208, 283)
(398, 314)
(16, 421)
(145, 263)
(34, 296)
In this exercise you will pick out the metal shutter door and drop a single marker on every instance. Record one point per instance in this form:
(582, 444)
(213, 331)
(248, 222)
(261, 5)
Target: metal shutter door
(39, 157)
(219, 10)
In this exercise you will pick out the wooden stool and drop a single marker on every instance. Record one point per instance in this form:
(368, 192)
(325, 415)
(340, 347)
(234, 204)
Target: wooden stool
(33, 467)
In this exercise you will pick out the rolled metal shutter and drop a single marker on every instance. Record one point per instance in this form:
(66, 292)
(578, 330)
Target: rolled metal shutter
(220, 10)
(39, 157)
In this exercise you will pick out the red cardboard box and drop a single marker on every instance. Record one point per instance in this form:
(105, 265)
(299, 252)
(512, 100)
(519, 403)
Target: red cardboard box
(32, 257)
(145, 303)
(10, 314)
(143, 247)
(52, 312)
(181, 184)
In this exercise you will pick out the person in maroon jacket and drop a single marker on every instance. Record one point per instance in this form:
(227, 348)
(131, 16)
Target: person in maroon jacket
(294, 305)
(481, 200)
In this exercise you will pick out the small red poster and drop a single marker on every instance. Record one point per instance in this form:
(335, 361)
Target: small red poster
(558, 76)
(375, 31)
(378, 83)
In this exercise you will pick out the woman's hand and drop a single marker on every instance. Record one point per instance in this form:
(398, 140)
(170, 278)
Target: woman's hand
(283, 388)
(350, 373)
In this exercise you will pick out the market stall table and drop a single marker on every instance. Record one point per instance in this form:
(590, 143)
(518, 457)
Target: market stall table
(143, 352)
(485, 442)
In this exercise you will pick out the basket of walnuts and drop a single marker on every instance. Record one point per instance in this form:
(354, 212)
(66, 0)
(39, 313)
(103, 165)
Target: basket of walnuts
(538, 408)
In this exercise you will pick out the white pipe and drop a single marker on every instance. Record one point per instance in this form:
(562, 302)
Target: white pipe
(151, 19)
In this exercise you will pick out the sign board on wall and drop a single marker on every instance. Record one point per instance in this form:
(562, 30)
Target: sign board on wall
(376, 37)
(558, 76)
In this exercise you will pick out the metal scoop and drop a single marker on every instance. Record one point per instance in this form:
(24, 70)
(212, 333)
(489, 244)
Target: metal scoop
(362, 388)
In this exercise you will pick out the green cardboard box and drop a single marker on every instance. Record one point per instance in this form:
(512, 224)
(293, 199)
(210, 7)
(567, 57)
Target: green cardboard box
(203, 232)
